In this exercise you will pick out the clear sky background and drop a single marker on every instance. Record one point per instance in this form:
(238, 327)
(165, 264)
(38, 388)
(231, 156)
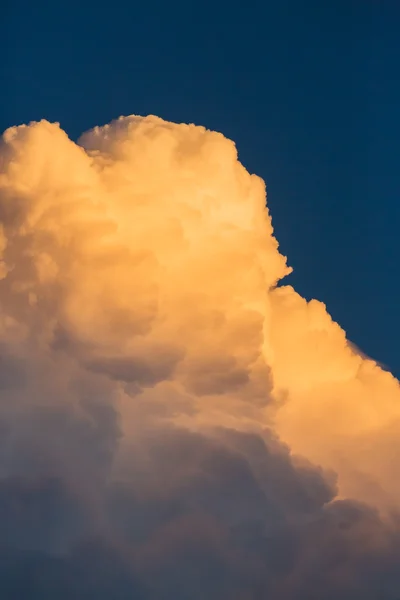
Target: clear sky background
(308, 90)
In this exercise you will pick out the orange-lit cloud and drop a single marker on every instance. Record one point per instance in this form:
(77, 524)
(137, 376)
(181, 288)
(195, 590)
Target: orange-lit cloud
(144, 340)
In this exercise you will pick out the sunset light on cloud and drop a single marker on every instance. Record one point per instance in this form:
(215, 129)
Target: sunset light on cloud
(161, 393)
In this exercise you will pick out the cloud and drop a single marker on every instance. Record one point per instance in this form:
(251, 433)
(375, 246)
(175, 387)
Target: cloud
(172, 424)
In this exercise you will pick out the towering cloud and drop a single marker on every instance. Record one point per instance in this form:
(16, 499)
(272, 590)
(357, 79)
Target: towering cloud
(173, 424)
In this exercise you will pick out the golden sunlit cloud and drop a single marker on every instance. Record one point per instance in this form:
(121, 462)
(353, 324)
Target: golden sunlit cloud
(138, 279)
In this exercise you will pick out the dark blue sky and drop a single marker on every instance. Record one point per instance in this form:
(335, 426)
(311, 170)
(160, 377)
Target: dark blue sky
(309, 91)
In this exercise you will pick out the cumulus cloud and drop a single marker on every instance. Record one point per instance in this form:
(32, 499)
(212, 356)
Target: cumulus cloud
(172, 424)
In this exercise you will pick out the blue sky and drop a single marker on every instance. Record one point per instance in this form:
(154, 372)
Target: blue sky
(308, 90)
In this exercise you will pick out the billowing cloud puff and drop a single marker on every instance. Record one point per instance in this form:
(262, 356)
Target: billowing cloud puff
(173, 424)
